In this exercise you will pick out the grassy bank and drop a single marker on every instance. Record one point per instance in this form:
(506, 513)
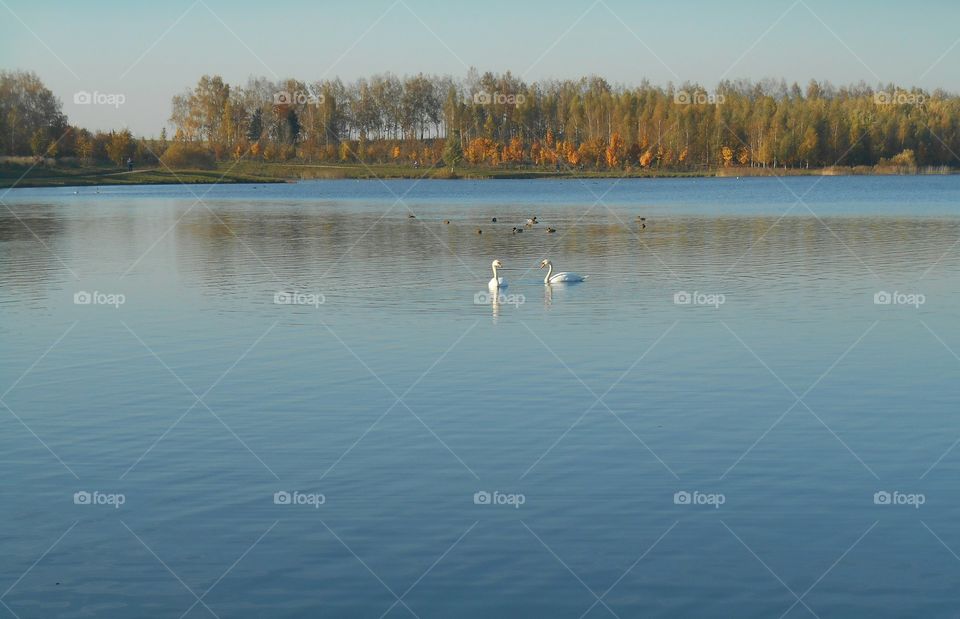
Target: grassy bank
(80, 176)
(47, 175)
(308, 171)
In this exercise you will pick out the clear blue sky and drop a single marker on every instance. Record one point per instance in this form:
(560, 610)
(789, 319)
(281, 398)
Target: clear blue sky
(136, 48)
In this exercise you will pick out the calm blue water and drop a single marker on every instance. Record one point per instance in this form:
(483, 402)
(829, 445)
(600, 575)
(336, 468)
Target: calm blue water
(643, 457)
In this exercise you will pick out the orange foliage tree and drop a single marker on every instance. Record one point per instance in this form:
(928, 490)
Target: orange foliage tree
(615, 151)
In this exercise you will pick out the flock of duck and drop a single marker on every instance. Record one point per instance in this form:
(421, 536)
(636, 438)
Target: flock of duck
(497, 282)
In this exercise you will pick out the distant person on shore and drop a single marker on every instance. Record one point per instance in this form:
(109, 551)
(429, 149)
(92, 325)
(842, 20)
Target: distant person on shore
(129, 164)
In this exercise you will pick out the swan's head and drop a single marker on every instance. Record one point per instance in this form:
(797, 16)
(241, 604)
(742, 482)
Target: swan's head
(544, 264)
(497, 264)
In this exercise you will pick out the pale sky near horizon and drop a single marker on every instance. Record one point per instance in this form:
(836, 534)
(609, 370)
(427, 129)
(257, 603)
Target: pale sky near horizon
(150, 51)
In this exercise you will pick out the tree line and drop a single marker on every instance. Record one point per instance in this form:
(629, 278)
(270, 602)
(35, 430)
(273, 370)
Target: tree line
(502, 120)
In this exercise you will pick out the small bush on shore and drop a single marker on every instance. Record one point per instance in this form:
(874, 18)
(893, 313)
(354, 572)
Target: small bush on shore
(187, 155)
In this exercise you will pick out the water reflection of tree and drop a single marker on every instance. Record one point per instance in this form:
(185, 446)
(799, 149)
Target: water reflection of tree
(303, 246)
(327, 247)
(29, 245)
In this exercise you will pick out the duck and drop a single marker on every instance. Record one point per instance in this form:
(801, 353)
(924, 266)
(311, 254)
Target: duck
(494, 220)
(559, 278)
(517, 230)
(411, 216)
(446, 221)
(479, 231)
(551, 230)
(496, 281)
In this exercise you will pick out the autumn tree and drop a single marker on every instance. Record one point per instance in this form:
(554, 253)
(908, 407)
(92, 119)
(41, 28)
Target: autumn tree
(26, 107)
(726, 155)
(452, 150)
(255, 128)
(615, 151)
(579, 122)
(120, 146)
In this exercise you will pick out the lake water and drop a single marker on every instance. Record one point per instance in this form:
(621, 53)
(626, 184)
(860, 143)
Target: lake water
(747, 410)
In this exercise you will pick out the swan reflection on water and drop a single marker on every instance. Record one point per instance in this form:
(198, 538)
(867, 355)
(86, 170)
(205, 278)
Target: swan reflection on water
(497, 299)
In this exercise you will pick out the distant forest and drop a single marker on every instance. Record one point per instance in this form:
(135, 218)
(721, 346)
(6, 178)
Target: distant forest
(500, 120)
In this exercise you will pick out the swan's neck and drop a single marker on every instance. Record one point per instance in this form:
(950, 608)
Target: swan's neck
(495, 278)
(546, 280)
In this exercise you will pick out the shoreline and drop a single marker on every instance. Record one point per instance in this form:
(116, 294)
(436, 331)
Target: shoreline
(21, 176)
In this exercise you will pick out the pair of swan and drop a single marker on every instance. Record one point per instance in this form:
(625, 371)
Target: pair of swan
(551, 278)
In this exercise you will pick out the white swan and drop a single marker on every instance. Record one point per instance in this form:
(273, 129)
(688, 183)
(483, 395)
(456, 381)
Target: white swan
(559, 278)
(497, 281)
